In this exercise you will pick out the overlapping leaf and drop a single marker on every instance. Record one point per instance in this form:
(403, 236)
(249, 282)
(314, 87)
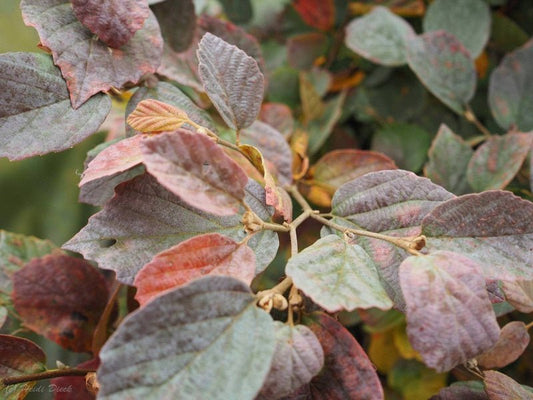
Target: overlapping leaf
(89, 65)
(171, 95)
(113, 21)
(390, 202)
(497, 161)
(74, 387)
(279, 116)
(444, 66)
(194, 168)
(468, 21)
(495, 228)
(380, 36)
(297, 359)
(155, 116)
(319, 14)
(510, 85)
(501, 387)
(36, 116)
(209, 328)
(238, 11)
(19, 356)
(144, 219)
(305, 48)
(338, 276)
(449, 316)
(347, 372)
(448, 159)
(407, 8)
(471, 390)
(320, 129)
(519, 294)
(60, 297)
(512, 342)
(209, 254)
(414, 380)
(231, 79)
(177, 21)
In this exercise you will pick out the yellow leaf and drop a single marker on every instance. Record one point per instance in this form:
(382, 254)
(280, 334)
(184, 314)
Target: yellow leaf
(402, 343)
(406, 8)
(312, 105)
(382, 351)
(155, 116)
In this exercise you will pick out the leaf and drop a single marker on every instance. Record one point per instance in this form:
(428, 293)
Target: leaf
(484, 227)
(519, 294)
(506, 34)
(471, 390)
(496, 162)
(113, 21)
(177, 21)
(87, 64)
(304, 49)
(232, 80)
(35, 112)
(382, 351)
(278, 116)
(406, 144)
(61, 298)
(379, 36)
(347, 372)
(338, 276)
(468, 21)
(444, 66)
(312, 105)
(297, 359)
(74, 387)
(320, 129)
(273, 147)
(171, 95)
(449, 316)
(194, 168)
(319, 14)
(448, 159)
(210, 328)
(209, 254)
(155, 116)
(153, 220)
(407, 8)
(509, 88)
(238, 11)
(389, 202)
(19, 356)
(117, 158)
(415, 381)
(500, 387)
(512, 342)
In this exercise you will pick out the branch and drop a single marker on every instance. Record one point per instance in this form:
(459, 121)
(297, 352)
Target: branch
(52, 373)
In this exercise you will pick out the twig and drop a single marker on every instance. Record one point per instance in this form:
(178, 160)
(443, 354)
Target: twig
(471, 117)
(52, 373)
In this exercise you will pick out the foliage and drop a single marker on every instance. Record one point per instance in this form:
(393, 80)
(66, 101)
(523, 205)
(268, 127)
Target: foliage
(252, 204)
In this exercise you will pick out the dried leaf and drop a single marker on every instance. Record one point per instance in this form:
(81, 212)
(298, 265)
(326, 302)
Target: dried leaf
(500, 387)
(512, 342)
(449, 316)
(155, 116)
(519, 294)
(208, 254)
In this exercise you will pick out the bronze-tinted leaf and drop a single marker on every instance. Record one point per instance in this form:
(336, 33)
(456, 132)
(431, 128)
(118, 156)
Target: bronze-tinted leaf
(113, 21)
(297, 359)
(500, 387)
(471, 390)
(519, 294)
(144, 219)
(36, 116)
(208, 254)
(496, 162)
(316, 13)
(156, 116)
(19, 356)
(347, 374)
(512, 342)
(196, 169)
(449, 315)
(88, 64)
(303, 49)
(205, 340)
(60, 297)
(279, 116)
(231, 79)
(177, 21)
(485, 227)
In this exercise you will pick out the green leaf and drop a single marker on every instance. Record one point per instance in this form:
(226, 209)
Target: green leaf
(193, 167)
(449, 315)
(506, 34)
(36, 116)
(206, 340)
(177, 21)
(496, 162)
(337, 276)
(19, 356)
(297, 359)
(485, 227)
(232, 80)
(448, 159)
(406, 144)
(320, 129)
(509, 90)
(444, 66)
(88, 65)
(379, 36)
(469, 21)
(152, 220)
(414, 380)
(238, 11)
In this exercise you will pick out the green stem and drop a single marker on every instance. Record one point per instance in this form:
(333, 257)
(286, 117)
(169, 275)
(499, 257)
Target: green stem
(471, 117)
(52, 373)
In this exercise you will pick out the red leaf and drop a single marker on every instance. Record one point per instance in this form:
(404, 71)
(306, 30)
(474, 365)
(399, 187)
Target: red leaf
(74, 387)
(114, 21)
(348, 373)
(317, 13)
(209, 254)
(61, 298)
(193, 167)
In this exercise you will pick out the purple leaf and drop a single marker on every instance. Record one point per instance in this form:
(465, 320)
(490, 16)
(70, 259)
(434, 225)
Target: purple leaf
(512, 342)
